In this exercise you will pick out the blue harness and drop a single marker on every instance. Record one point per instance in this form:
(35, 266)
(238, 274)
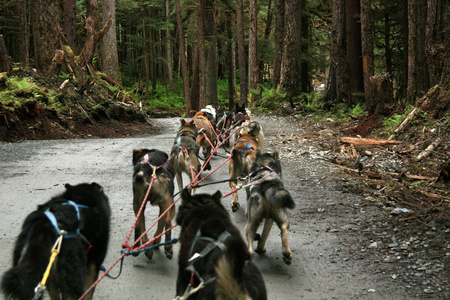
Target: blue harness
(248, 147)
(52, 219)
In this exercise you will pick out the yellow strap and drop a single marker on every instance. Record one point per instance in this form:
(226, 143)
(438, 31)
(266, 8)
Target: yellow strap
(55, 251)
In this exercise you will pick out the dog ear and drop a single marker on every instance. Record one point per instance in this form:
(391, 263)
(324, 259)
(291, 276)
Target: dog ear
(185, 196)
(68, 186)
(136, 154)
(97, 186)
(217, 197)
(205, 114)
(182, 121)
(276, 154)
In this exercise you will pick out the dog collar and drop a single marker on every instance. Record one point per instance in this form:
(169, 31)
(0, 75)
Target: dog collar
(212, 244)
(54, 222)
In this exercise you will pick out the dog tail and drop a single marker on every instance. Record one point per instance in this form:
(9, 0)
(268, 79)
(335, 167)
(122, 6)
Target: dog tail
(280, 197)
(227, 287)
(16, 284)
(31, 256)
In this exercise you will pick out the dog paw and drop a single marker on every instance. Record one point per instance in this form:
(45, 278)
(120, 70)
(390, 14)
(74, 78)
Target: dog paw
(287, 258)
(235, 206)
(168, 250)
(149, 254)
(260, 250)
(169, 253)
(208, 167)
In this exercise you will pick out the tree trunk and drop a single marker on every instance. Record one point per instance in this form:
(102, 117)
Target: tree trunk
(202, 52)
(264, 73)
(305, 74)
(418, 82)
(243, 78)
(354, 49)
(211, 54)
(70, 23)
(367, 51)
(436, 35)
(5, 64)
(22, 34)
(45, 24)
(338, 54)
(108, 45)
(183, 58)
(291, 62)
(404, 67)
(169, 54)
(195, 85)
(253, 49)
(230, 66)
(279, 36)
(387, 43)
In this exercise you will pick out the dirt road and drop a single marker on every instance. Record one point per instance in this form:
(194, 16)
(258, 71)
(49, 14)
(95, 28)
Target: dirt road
(325, 263)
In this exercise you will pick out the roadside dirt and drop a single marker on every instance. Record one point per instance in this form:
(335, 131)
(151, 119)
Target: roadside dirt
(391, 234)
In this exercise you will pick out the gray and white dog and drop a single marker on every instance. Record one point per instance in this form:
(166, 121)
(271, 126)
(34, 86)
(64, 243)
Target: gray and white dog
(267, 199)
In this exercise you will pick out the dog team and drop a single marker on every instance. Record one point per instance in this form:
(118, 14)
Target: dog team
(62, 244)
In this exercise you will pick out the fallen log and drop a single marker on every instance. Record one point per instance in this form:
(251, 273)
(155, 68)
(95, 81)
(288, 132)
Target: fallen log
(429, 149)
(371, 174)
(416, 177)
(368, 142)
(405, 122)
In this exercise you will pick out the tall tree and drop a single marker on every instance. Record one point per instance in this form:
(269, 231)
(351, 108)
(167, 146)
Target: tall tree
(253, 48)
(418, 82)
(291, 61)
(231, 70)
(367, 50)
(169, 54)
(305, 65)
(183, 58)
(437, 31)
(279, 36)
(354, 48)
(108, 45)
(22, 36)
(211, 53)
(242, 55)
(338, 87)
(202, 52)
(69, 23)
(45, 23)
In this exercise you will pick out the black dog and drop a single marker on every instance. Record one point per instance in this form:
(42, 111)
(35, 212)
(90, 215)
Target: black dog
(83, 212)
(214, 259)
(267, 199)
(146, 162)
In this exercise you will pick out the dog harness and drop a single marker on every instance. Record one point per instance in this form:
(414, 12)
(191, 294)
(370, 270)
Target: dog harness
(212, 244)
(146, 160)
(178, 143)
(54, 222)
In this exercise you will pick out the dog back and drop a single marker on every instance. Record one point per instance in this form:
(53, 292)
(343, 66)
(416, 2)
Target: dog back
(205, 223)
(267, 168)
(83, 211)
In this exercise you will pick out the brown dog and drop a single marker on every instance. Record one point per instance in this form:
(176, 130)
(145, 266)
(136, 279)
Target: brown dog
(206, 138)
(147, 162)
(253, 128)
(184, 154)
(243, 155)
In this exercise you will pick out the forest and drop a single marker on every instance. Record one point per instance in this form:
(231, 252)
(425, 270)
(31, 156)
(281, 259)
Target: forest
(365, 82)
(377, 56)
